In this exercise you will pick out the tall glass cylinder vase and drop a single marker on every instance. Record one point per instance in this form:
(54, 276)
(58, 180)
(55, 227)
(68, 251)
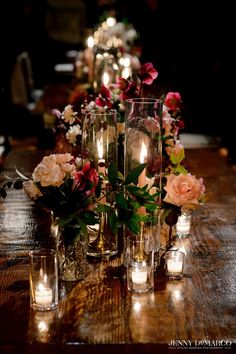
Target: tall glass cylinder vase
(105, 66)
(100, 147)
(143, 144)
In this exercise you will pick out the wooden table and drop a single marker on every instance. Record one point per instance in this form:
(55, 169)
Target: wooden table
(98, 314)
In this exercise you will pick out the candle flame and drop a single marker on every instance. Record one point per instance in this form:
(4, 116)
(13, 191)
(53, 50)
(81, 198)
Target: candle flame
(40, 287)
(105, 78)
(143, 153)
(90, 41)
(111, 21)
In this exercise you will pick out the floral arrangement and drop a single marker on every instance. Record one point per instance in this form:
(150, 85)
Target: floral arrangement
(180, 189)
(73, 192)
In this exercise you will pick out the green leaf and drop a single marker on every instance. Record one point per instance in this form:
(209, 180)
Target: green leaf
(150, 207)
(112, 219)
(134, 174)
(112, 173)
(121, 201)
(177, 159)
(133, 224)
(181, 169)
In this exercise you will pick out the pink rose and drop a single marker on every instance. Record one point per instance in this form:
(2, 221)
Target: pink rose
(183, 189)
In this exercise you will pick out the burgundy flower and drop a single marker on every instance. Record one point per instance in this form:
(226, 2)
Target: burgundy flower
(104, 98)
(87, 174)
(173, 101)
(129, 89)
(147, 74)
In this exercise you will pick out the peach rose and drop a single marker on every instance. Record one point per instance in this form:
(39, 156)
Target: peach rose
(31, 189)
(183, 189)
(52, 170)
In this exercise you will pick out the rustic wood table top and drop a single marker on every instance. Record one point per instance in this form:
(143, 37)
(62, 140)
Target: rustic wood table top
(98, 314)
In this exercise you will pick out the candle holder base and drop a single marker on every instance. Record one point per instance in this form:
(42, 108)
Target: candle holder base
(106, 242)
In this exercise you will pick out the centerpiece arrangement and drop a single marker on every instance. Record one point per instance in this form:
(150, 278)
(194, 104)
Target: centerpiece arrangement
(127, 169)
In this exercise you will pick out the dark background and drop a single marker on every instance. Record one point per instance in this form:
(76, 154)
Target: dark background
(190, 42)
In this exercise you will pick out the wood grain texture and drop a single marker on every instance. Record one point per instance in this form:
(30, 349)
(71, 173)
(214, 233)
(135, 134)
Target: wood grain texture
(98, 314)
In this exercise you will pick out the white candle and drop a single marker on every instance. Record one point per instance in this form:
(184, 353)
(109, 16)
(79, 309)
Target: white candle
(183, 225)
(105, 78)
(139, 274)
(101, 164)
(142, 176)
(43, 295)
(174, 266)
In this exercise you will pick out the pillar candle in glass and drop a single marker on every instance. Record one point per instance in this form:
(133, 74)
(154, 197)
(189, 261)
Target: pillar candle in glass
(143, 140)
(184, 224)
(105, 66)
(100, 147)
(43, 280)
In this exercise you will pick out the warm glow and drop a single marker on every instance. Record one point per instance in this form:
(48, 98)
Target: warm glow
(90, 42)
(111, 21)
(100, 149)
(126, 62)
(42, 326)
(105, 78)
(143, 153)
(126, 72)
(40, 287)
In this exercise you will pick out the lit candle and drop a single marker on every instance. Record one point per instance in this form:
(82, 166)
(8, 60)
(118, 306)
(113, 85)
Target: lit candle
(101, 164)
(89, 57)
(139, 276)
(174, 265)
(43, 295)
(183, 225)
(105, 78)
(142, 176)
(101, 160)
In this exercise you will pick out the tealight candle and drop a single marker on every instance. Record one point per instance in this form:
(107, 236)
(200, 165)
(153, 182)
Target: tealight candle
(174, 264)
(139, 276)
(43, 295)
(43, 279)
(183, 225)
(140, 271)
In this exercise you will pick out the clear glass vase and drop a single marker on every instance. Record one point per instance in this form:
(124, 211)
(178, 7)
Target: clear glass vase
(100, 147)
(72, 252)
(105, 66)
(143, 145)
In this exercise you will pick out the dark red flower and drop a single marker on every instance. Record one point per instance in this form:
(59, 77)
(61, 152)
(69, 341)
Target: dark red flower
(173, 101)
(129, 89)
(87, 174)
(104, 98)
(147, 74)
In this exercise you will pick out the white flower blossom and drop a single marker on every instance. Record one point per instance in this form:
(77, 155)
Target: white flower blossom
(72, 134)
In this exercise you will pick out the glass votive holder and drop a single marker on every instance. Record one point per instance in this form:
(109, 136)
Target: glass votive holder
(140, 265)
(174, 264)
(43, 280)
(183, 224)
